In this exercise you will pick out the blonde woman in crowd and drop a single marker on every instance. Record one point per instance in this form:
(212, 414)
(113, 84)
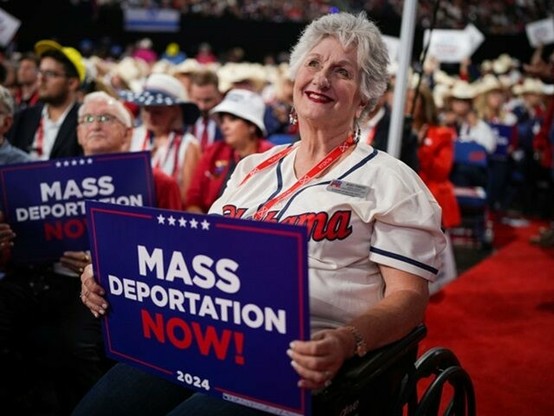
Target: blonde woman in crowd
(491, 106)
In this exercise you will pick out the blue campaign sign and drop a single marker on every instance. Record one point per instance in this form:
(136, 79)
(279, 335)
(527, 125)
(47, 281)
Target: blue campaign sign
(44, 202)
(208, 302)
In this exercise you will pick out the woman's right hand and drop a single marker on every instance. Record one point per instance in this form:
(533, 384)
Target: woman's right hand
(92, 294)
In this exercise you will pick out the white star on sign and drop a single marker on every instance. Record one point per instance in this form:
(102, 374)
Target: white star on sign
(81, 161)
(171, 220)
(193, 223)
(58, 164)
(205, 225)
(161, 219)
(73, 163)
(89, 161)
(182, 222)
(66, 163)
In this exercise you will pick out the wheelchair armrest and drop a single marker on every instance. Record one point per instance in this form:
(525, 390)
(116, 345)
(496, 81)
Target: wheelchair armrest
(360, 371)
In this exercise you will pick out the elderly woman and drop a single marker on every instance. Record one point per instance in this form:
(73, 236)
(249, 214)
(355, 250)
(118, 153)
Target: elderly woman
(241, 116)
(166, 111)
(369, 280)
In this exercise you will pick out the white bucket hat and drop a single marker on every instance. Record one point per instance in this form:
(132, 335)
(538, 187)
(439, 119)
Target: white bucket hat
(245, 104)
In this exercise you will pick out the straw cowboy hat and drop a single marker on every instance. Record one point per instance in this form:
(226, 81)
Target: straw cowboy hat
(441, 77)
(489, 83)
(529, 86)
(188, 66)
(502, 64)
(462, 90)
(242, 73)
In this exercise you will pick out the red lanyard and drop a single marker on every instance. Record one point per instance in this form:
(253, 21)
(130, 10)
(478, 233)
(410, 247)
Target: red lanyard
(327, 161)
(175, 143)
(147, 142)
(40, 137)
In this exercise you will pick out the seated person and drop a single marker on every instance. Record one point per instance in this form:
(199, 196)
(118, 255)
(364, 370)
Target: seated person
(47, 297)
(241, 121)
(371, 259)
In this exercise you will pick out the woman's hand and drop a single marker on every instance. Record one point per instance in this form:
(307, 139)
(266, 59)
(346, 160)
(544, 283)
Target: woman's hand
(75, 260)
(92, 294)
(317, 361)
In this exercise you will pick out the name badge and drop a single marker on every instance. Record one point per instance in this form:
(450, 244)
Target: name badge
(348, 188)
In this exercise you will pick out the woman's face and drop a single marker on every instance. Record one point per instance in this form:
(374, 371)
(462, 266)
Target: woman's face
(160, 119)
(326, 88)
(495, 99)
(236, 131)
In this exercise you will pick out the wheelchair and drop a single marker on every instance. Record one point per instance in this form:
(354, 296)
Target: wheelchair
(388, 382)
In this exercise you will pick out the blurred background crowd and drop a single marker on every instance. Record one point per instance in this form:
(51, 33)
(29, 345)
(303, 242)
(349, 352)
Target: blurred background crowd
(497, 16)
(480, 132)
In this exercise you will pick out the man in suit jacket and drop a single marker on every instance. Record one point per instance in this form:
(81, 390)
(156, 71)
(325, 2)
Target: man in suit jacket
(48, 130)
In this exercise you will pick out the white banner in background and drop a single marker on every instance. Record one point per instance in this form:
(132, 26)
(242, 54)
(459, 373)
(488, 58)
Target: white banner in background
(8, 27)
(449, 46)
(476, 38)
(540, 32)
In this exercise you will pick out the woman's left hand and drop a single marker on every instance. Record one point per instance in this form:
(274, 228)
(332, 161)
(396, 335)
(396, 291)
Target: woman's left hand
(75, 260)
(317, 361)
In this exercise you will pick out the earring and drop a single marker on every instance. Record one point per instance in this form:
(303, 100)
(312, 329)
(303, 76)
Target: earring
(357, 132)
(293, 117)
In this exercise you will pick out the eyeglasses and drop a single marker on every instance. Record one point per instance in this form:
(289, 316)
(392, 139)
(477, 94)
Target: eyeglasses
(88, 119)
(47, 73)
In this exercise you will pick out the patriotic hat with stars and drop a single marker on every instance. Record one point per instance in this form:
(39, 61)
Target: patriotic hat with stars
(164, 90)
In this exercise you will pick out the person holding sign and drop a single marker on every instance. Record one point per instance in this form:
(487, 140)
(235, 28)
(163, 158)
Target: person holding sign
(374, 229)
(50, 300)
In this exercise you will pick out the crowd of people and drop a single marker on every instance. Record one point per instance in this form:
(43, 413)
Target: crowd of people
(209, 125)
(494, 17)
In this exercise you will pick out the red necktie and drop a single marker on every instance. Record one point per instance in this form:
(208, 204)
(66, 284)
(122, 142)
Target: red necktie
(204, 140)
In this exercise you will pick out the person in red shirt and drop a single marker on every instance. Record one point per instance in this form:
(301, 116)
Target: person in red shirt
(241, 120)
(435, 154)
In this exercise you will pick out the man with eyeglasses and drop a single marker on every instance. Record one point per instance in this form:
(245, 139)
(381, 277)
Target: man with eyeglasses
(63, 332)
(48, 130)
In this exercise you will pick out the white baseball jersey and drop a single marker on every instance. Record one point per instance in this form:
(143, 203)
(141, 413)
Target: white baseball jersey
(367, 209)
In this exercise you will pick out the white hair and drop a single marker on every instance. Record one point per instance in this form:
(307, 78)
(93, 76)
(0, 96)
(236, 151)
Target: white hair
(349, 30)
(119, 109)
(6, 99)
